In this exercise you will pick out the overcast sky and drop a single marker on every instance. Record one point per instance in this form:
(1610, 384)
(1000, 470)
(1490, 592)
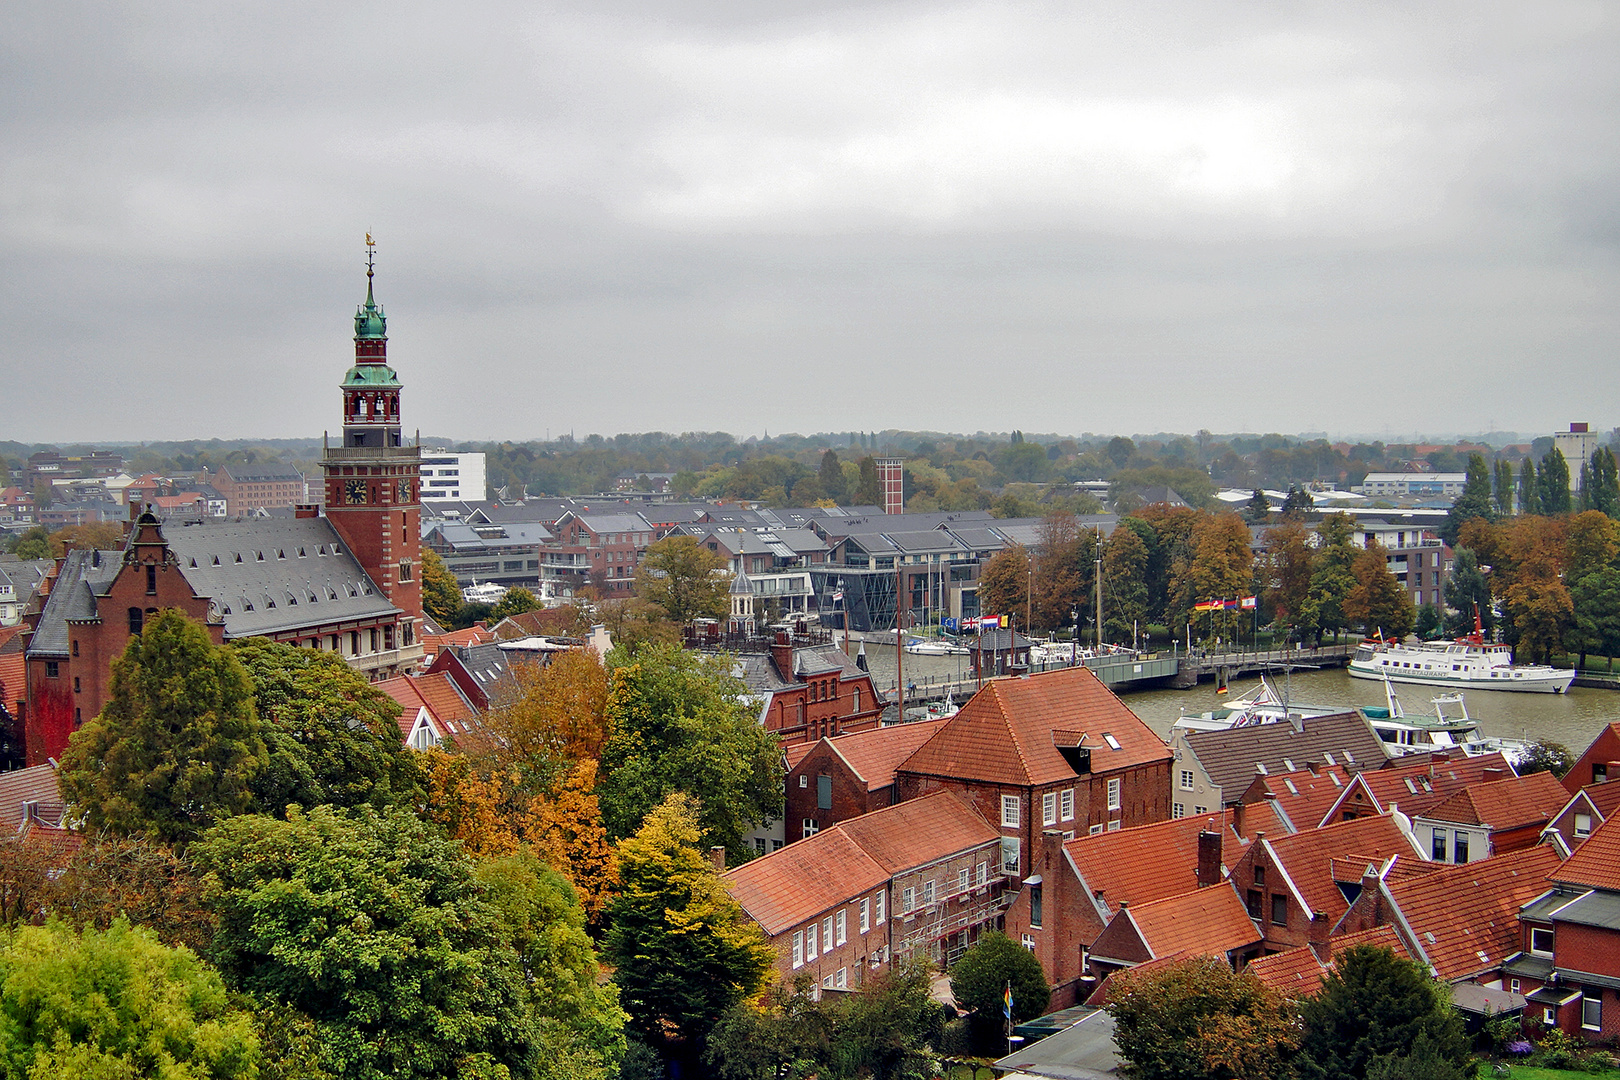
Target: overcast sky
(621, 216)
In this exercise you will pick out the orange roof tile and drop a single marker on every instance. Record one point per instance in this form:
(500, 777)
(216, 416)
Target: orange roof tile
(444, 700)
(1596, 863)
(919, 831)
(402, 688)
(14, 678)
(472, 635)
(1504, 804)
(1415, 788)
(37, 785)
(809, 876)
(873, 755)
(1007, 733)
(1208, 922)
(1304, 796)
(1307, 857)
(1605, 797)
(1149, 862)
(1466, 918)
(1298, 973)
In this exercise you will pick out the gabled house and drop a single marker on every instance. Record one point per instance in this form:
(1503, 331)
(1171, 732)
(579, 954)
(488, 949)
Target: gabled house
(1051, 751)
(1292, 888)
(1585, 938)
(432, 708)
(1204, 922)
(1298, 973)
(1491, 818)
(838, 778)
(1599, 762)
(1214, 768)
(1413, 788)
(1302, 798)
(840, 906)
(807, 693)
(1588, 808)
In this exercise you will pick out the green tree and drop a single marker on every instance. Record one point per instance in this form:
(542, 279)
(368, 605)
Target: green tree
(1198, 1020)
(1125, 583)
(35, 543)
(1529, 488)
(538, 912)
(683, 950)
(1502, 488)
(1259, 509)
(1552, 484)
(1332, 578)
(1375, 1003)
(1591, 543)
(886, 1027)
(441, 596)
(1378, 601)
(1474, 502)
(1423, 1061)
(109, 877)
(516, 601)
(1222, 568)
(332, 737)
(685, 579)
(831, 476)
(115, 1003)
(1468, 590)
(1596, 601)
(979, 981)
(1429, 622)
(868, 492)
(1603, 494)
(1544, 755)
(681, 722)
(1541, 612)
(178, 746)
(373, 927)
(1297, 504)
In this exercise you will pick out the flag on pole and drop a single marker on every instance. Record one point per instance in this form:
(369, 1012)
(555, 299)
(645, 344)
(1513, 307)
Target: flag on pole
(1249, 603)
(1006, 1001)
(1208, 605)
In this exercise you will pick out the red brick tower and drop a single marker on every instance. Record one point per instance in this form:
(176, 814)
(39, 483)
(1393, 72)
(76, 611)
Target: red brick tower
(372, 485)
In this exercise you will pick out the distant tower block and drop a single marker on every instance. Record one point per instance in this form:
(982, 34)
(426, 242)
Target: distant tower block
(892, 479)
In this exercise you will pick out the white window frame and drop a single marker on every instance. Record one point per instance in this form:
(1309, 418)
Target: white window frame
(928, 892)
(1049, 808)
(1011, 811)
(810, 828)
(962, 877)
(841, 980)
(1178, 810)
(866, 914)
(908, 900)
(1066, 805)
(1114, 786)
(882, 900)
(982, 874)
(1186, 779)
(798, 948)
(1011, 855)
(827, 935)
(839, 923)
(1596, 1023)
(1583, 825)
(1094, 830)
(810, 950)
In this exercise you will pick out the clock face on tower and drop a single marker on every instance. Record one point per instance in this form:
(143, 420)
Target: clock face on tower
(404, 491)
(354, 491)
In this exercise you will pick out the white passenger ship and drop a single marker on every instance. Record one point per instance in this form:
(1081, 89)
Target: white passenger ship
(1468, 663)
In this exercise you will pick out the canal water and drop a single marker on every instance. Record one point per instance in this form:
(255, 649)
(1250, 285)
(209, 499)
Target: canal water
(1573, 719)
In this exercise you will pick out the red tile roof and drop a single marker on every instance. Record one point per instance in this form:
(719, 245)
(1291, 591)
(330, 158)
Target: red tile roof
(873, 755)
(1596, 863)
(37, 785)
(1297, 973)
(473, 635)
(1514, 803)
(808, 877)
(1466, 918)
(1304, 796)
(437, 692)
(1149, 862)
(1111, 982)
(1414, 788)
(1205, 922)
(1008, 732)
(1307, 857)
(1605, 796)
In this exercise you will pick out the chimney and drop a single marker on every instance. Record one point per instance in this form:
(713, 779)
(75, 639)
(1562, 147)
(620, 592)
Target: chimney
(1209, 858)
(1487, 775)
(717, 857)
(782, 654)
(306, 510)
(1238, 814)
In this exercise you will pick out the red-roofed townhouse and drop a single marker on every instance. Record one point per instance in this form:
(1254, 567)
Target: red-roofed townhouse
(1076, 886)
(1204, 922)
(1600, 762)
(808, 693)
(1491, 818)
(432, 708)
(1298, 973)
(1588, 808)
(1051, 751)
(1289, 884)
(1413, 787)
(844, 777)
(1303, 797)
(844, 903)
(1584, 919)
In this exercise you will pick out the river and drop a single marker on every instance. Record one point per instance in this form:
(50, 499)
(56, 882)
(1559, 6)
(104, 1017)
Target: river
(1573, 719)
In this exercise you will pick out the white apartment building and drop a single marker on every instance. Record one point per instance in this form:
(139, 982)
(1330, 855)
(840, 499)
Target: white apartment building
(448, 476)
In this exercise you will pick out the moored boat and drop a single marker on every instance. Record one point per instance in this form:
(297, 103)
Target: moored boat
(1468, 663)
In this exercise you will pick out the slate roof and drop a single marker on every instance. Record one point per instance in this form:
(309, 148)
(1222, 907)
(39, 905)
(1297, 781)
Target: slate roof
(759, 671)
(1206, 922)
(1596, 908)
(72, 596)
(489, 667)
(293, 572)
(1008, 732)
(1306, 858)
(1517, 802)
(798, 882)
(263, 474)
(36, 784)
(1148, 862)
(872, 755)
(1466, 918)
(1297, 972)
(1230, 757)
(1596, 863)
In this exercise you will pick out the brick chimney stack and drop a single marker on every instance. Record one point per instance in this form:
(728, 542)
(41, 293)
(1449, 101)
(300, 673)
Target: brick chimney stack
(1209, 858)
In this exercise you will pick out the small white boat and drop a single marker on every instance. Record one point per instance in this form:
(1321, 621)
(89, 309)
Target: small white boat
(1262, 705)
(935, 647)
(487, 593)
(1402, 734)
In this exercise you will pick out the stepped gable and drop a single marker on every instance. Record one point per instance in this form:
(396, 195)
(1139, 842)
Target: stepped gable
(1148, 862)
(1306, 858)
(1005, 732)
(918, 831)
(1596, 863)
(1298, 972)
(872, 755)
(1517, 802)
(1466, 918)
(1208, 922)
(1234, 757)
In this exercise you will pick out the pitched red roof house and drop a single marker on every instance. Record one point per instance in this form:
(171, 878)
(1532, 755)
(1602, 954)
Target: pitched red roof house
(841, 777)
(1303, 797)
(29, 795)
(1492, 818)
(1413, 788)
(1204, 922)
(1588, 808)
(431, 708)
(1599, 762)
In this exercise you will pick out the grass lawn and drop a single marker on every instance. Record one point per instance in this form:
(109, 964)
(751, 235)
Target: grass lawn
(1531, 1072)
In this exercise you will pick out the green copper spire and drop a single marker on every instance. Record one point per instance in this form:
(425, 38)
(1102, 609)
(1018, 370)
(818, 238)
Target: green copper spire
(369, 321)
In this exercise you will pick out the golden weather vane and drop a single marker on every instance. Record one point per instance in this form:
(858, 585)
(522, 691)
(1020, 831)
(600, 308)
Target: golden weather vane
(371, 246)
